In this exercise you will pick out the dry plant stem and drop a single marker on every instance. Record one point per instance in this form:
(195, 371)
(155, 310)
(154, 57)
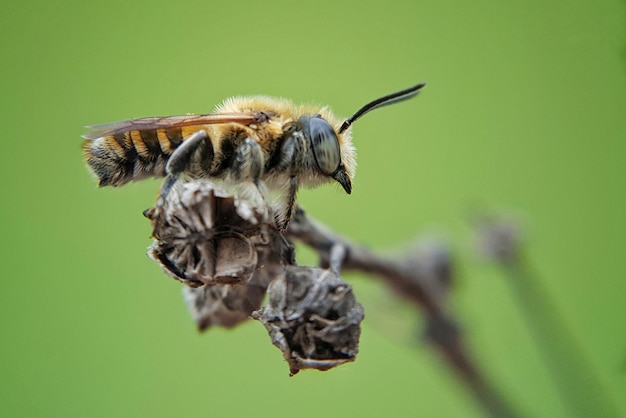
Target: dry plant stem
(443, 332)
(578, 386)
(500, 239)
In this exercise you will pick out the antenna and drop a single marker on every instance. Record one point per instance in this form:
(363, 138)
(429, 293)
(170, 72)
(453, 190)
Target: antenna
(383, 101)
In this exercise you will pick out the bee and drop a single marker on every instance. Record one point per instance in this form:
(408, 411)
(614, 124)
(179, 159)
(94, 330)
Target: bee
(267, 142)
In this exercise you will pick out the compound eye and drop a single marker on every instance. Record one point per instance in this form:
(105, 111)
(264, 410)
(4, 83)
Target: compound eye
(325, 145)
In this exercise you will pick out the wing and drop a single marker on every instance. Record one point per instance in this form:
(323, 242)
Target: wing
(166, 122)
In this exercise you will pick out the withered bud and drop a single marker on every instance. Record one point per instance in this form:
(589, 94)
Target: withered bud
(206, 236)
(499, 238)
(223, 305)
(313, 317)
(429, 258)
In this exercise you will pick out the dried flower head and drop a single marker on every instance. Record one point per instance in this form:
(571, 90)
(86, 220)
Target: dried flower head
(313, 318)
(229, 254)
(499, 238)
(228, 305)
(223, 305)
(206, 236)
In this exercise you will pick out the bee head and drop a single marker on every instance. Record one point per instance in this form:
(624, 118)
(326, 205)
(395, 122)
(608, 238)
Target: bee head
(328, 145)
(325, 148)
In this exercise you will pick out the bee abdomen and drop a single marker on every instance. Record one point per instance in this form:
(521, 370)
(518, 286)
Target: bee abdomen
(120, 158)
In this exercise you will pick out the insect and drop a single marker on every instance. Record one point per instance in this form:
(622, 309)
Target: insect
(267, 142)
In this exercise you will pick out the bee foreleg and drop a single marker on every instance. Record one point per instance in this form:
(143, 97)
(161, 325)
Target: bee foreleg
(194, 155)
(291, 202)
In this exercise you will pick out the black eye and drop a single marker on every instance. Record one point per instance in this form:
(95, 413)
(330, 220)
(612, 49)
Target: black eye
(324, 143)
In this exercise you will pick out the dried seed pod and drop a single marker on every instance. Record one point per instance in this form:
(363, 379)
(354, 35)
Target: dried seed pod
(499, 238)
(313, 318)
(206, 236)
(223, 305)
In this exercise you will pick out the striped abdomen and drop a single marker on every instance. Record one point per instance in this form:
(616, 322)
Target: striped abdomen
(133, 155)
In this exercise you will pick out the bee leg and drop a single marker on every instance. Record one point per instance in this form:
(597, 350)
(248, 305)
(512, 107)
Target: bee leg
(292, 147)
(291, 202)
(249, 165)
(249, 160)
(168, 184)
(194, 155)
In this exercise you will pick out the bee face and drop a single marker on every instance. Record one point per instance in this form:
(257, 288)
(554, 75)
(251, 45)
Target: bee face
(326, 150)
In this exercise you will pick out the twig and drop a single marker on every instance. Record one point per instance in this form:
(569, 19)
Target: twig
(409, 282)
(574, 379)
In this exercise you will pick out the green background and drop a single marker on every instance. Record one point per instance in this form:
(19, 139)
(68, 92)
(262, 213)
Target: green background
(524, 111)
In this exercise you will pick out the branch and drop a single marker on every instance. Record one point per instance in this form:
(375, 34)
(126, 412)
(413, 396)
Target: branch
(422, 282)
(580, 390)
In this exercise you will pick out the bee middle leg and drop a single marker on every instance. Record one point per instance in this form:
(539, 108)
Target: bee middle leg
(248, 165)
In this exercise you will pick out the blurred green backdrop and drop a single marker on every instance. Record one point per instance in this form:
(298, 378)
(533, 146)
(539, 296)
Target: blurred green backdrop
(524, 110)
